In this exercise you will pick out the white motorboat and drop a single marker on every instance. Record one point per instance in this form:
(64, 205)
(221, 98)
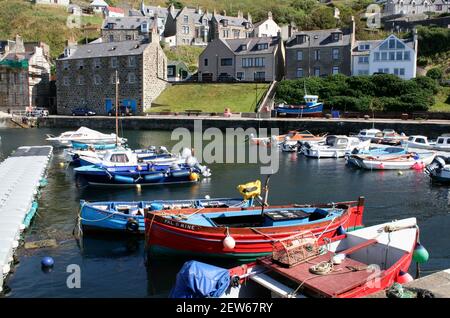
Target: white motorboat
(84, 135)
(409, 160)
(439, 170)
(391, 137)
(443, 143)
(370, 134)
(418, 141)
(335, 146)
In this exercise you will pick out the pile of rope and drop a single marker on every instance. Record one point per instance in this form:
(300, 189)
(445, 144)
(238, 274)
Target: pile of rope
(399, 291)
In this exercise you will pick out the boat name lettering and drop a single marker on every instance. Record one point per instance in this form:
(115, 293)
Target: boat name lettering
(180, 225)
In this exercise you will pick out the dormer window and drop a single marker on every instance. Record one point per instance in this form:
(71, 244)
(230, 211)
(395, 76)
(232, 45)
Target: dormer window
(336, 36)
(80, 64)
(185, 19)
(225, 22)
(262, 46)
(244, 47)
(110, 26)
(301, 38)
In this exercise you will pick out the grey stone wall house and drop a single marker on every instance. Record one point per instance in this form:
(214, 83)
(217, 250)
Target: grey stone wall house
(251, 59)
(117, 29)
(195, 26)
(86, 77)
(415, 7)
(319, 53)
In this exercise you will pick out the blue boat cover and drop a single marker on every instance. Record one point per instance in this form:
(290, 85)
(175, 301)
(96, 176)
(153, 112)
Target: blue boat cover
(200, 280)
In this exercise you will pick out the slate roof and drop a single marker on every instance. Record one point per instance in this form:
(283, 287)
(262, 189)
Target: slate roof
(111, 49)
(235, 45)
(320, 38)
(126, 23)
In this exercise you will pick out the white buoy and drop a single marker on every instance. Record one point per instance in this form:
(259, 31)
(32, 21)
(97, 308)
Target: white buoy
(207, 197)
(229, 242)
(138, 187)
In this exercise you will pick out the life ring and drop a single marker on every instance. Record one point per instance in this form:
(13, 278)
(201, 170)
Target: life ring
(132, 225)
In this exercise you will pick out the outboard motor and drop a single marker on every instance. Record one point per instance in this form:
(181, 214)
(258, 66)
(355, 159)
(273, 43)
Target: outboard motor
(436, 165)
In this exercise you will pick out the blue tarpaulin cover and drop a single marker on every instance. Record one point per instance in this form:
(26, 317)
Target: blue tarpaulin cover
(200, 280)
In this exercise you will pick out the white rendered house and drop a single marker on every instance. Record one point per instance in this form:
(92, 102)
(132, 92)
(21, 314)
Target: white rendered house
(266, 28)
(391, 55)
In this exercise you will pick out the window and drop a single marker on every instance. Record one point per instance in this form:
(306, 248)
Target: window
(226, 62)
(128, 37)
(244, 47)
(111, 38)
(185, 19)
(299, 72)
(262, 46)
(259, 62)
(335, 37)
(131, 78)
(363, 59)
(399, 55)
(97, 79)
(205, 21)
(396, 72)
(406, 56)
(391, 56)
(317, 71)
(420, 140)
(400, 45)
(80, 80)
(392, 43)
(112, 78)
(363, 72)
(299, 55)
(377, 56)
(247, 62)
(383, 56)
(119, 158)
(80, 64)
(226, 33)
(114, 62)
(66, 65)
(364, 47)
(402, 72)
(335, 70)
(439, 7)
(240, 75)
(317, 55)
(170, 72)
(236, 34)
(383, 70)
(66, 81)
(260, 76)
(185, 30)
(97, 63)
(335, 54)
(205, 62)
(131, 61)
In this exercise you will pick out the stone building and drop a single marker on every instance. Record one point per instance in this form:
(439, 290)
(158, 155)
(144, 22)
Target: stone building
(117, 29)
(319, 53)
(24, 74)
(86, 75)
(415, 7)
(195, 26)
(251, 59)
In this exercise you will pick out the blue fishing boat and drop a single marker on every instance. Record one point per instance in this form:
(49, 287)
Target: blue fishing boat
(311, 108)
(129, 216)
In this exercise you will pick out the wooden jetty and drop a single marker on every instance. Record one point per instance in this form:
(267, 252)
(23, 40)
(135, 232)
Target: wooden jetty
(21, 175)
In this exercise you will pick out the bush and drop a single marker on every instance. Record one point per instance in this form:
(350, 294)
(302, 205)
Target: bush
(435, 73)
(349, 103)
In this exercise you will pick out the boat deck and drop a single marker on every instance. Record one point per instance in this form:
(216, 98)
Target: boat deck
(21, 174)
(345, 276)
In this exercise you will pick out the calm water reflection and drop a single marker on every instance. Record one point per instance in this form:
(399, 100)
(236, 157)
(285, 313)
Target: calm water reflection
(114, 267)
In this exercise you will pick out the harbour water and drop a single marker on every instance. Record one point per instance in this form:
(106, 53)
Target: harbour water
(112, 266)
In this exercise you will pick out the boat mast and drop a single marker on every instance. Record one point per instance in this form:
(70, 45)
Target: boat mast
(117, 109)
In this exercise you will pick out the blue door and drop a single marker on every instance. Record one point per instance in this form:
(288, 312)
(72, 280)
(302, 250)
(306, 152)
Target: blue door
(108, 104)
(133, 106)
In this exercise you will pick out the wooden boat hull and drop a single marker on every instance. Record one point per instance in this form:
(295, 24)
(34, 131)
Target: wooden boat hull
(171, 237)
(383, 164)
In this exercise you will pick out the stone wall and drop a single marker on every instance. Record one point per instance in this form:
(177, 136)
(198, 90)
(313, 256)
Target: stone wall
(94, 95)
(155, 74)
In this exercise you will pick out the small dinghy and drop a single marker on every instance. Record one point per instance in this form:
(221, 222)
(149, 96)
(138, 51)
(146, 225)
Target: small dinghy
(243, 234)
(354, 264)
(377, 152)
(84, 135)
(335, 146)
(439, 170)
(410, 160)
(128, 217)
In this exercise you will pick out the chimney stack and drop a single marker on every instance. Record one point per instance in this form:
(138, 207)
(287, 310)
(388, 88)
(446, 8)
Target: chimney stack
(240, 14)
(269, 15)
(249, 17)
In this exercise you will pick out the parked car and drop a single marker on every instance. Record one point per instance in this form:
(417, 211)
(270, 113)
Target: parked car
(123, 111)
(83, 111)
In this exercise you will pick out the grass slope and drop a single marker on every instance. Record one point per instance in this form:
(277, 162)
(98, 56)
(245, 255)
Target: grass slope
(442, 103)
(210, 97)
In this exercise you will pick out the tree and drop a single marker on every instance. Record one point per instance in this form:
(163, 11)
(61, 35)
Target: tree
(435, 73)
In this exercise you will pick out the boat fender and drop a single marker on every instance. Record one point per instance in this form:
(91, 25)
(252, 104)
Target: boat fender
(123, 179)
(229, 242)
(420, 254)
(181, 174)
(153, 176)
(132, 225)
(338, 258)
(193, 176)
(234, 281)
(403, 278)
(47, 261)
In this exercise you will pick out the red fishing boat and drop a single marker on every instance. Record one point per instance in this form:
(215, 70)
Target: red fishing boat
(244, 233)
(355, 264)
